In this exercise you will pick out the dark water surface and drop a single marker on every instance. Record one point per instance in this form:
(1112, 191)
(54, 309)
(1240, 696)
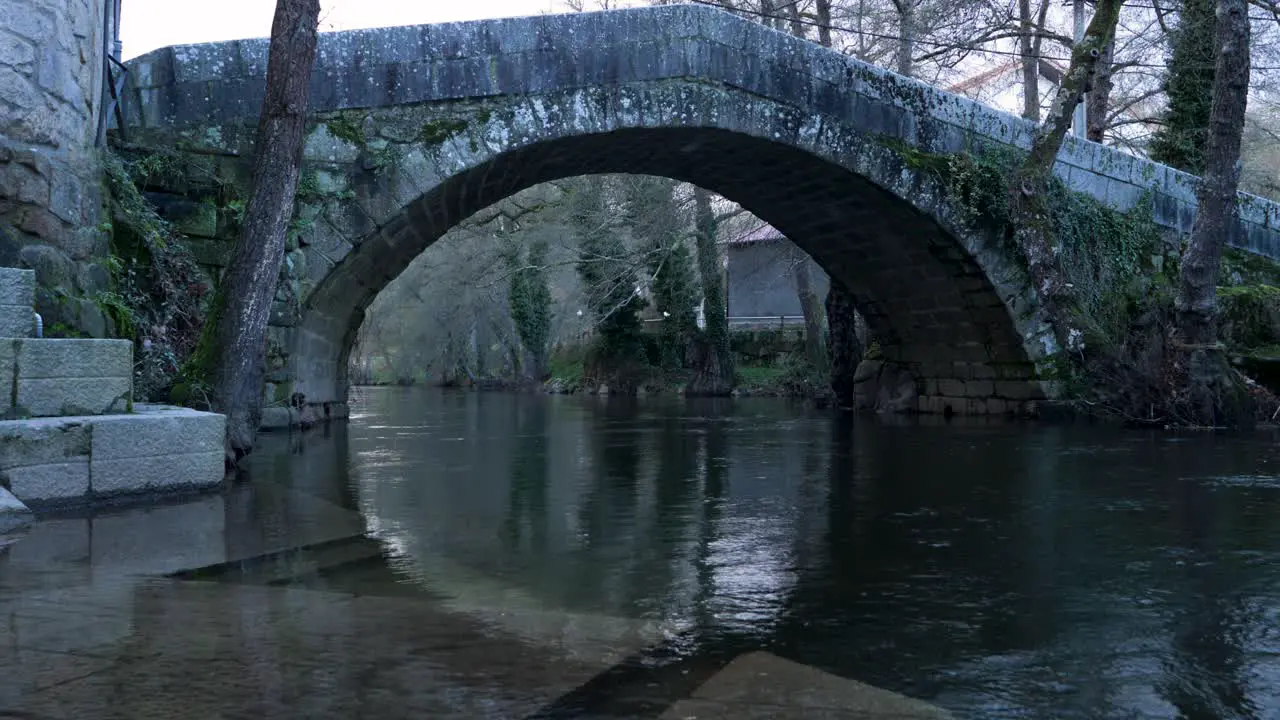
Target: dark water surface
(997, 570)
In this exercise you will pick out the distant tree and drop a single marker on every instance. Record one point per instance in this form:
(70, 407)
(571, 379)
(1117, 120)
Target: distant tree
(608, 276)
(659, 225)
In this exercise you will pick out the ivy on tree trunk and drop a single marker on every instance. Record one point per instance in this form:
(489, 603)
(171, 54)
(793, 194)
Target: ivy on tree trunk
(1215, 396)
(1033, 229)
(714, 372)
(236, 356)
(1189, 84)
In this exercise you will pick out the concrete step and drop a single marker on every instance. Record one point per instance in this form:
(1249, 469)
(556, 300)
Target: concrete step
(17, 296)
(80, 460)
(58, 377)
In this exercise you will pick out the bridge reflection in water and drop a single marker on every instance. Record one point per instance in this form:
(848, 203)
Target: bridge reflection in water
(583, 557)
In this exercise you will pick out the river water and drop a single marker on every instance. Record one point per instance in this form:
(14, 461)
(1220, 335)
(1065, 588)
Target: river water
(474, 555)
(998, 570)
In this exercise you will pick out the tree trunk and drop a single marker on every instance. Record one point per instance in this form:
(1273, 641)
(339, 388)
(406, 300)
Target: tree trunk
(1030, 63)
(238, 353)
(1216, 398)
(814, 351)
(793, 14)
(1100, 96)
(844, 351)
(903, 61)
(714, 366)
(823, 11)
(1029, 212)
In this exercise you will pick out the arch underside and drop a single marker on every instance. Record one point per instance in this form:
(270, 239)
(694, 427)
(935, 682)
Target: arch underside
(931, 305)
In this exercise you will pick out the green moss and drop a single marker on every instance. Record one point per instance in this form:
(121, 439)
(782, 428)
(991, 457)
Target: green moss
(566, 365)
(345, 129)
(483, 116)
(757, 375)
(115, 307)
(197, 371)
(437, 131)
(1249, 316)
(309, 187)
(282, 392)
(1240, 267)
(1112, 259)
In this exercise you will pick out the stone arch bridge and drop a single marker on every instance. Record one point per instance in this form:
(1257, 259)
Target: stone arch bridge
(416, 128)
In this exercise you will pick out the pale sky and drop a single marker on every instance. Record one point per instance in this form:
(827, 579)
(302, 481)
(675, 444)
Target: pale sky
(146, 25)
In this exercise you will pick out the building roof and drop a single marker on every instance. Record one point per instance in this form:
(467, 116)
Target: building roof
(1049, 70)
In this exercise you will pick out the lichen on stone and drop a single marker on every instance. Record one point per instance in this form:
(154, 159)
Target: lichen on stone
(436, 132)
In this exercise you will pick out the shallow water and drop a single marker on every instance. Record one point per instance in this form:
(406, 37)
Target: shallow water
(583, 557)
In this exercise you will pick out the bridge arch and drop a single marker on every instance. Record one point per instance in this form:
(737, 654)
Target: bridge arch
(953, 313)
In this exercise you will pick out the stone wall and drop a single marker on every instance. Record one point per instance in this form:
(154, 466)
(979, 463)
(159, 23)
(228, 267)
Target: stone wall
(51, 69)
(760, 281)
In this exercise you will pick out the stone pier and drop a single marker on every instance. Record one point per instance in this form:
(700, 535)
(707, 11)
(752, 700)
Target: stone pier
(52, 55)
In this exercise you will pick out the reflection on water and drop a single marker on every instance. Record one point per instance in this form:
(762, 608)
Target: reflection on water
(998, 570)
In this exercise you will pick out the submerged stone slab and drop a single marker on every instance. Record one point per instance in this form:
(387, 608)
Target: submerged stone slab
(761, 684)
(65, 377)
(279, 418)
(78, 460)
(14, 514)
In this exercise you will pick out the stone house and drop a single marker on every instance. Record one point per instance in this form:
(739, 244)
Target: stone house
(760, 278)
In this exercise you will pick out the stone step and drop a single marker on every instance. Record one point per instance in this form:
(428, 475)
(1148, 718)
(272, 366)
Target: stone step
(80, 460)
(60, 377)
(17, 296)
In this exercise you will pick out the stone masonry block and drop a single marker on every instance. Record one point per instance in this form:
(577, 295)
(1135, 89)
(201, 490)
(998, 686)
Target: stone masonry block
(57, 377)
(78, 459)
(16, 321)
(50, 441)
(61, 358)
(58, 397)
(979, 388)
(156, 473)
(1015, 389)
(17, 287)
(151, 434)
(57, 482)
